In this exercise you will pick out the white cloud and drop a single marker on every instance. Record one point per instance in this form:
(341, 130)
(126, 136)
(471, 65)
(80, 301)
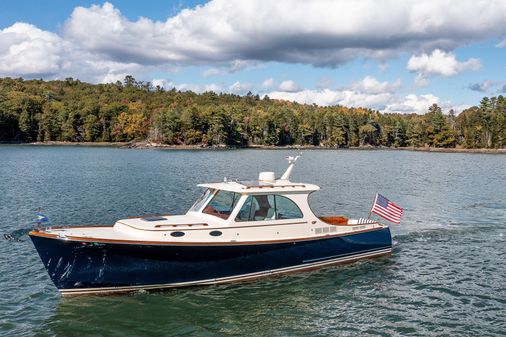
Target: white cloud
(501, 44)
(268, 83)
(315, 32)
(289, 86)
(367, 93)
(211, 72)
(240, 88)
(220, 34)
(371, 85)
(324, 83)
(98, 43)
(198, 88)
(113, 77)
(118, 38)
(333, 97)
(384, 102)
(421, 81)
(320, 97)
(440, 63)
(91, 68)
(213, 87)
(27, 50)
(412, 104)
(161, 83)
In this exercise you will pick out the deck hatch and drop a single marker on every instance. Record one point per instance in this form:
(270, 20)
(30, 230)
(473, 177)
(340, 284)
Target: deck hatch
(154, 218)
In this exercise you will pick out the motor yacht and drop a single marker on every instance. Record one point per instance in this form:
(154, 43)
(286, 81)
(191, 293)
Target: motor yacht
(235, 231)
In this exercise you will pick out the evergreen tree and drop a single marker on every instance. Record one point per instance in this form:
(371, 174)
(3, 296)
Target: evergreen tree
(71, 110)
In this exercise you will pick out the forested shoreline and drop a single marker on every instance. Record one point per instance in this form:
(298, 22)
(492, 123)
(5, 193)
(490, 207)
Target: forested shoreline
(73, 111)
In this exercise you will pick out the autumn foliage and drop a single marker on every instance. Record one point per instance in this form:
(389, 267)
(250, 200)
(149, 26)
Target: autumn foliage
(70, 110)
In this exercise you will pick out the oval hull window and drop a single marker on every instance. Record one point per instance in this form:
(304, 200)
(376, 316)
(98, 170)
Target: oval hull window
(177, 234)
(215, 233)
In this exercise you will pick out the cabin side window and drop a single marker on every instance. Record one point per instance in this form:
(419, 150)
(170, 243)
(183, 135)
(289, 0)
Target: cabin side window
(222, 204)
(258, 208)
(268, 207)
(287, 209)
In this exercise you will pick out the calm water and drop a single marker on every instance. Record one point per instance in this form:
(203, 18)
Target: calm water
(447, 275)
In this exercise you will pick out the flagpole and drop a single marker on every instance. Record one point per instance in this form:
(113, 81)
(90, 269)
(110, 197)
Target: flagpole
(372, 206)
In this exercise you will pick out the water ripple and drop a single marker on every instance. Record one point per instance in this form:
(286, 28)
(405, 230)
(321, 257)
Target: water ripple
(445, 277)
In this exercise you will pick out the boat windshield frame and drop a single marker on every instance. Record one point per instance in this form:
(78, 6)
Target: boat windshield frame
(203, 200)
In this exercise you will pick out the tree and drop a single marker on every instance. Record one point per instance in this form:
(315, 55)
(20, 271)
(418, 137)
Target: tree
(129, 82)
(49, 123)
(71, 110)
(92, 128)
(129, 127)
(366, 134)
(438, 129)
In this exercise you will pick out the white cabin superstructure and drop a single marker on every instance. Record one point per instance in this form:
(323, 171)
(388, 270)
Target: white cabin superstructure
(260, 210)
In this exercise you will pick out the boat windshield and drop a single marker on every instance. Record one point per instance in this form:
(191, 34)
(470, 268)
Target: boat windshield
(222, 204)
(202, 200)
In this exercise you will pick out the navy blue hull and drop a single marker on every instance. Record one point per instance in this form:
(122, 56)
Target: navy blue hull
(74, 265)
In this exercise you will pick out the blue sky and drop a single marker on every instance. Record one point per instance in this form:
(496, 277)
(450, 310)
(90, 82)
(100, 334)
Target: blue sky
(381, 54)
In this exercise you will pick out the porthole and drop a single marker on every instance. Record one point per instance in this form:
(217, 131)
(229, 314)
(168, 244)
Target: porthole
(177, 234)
(215, 233)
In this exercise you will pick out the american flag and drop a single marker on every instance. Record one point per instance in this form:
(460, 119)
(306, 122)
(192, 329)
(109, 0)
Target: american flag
(387, 209)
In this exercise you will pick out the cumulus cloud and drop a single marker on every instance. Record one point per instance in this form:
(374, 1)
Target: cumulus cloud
(113, 77)
(143, 41)
(334, 97)
(320, 97)
(315, 32)
(26, 50)
(289, 86)
(324, 83)
(441, 63)
(213, 87)
(367, 93)
(221, 33)
(240, 88)
(412, 104)
(159, 82)
(370, 85)
(268, 83)
(198, 88)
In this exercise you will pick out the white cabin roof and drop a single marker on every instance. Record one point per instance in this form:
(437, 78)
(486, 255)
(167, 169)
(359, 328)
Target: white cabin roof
(266, 183)
(258, 186)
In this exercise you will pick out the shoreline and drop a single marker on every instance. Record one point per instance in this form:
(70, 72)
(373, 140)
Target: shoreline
(148, 145)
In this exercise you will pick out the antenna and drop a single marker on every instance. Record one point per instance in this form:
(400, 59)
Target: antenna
(291, 164)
